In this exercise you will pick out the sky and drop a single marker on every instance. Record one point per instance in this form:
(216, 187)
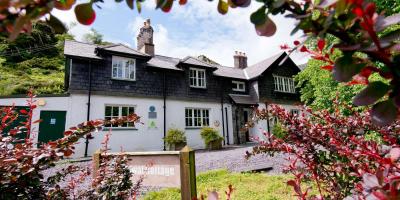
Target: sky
(190, 30)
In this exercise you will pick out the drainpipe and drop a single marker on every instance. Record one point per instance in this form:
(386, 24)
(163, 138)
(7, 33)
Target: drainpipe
(88, 107)
(165, 107)
(222, 113)
(227, 125)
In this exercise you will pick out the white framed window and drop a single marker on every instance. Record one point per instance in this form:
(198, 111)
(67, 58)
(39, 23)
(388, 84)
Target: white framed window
(284, 84)
(197, 78)
(123, 68)
(238, 86)
(197, 117)
(118, 111)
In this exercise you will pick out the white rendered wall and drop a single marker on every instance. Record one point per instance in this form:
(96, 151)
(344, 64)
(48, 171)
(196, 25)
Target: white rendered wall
(51, 104)
(261, 126)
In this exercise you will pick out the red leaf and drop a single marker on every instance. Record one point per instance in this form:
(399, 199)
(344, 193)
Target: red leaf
(23, 111)
(370, 9)
(327, 67)
(303, 49)
(68, 152)
(321, 44)
(182, 2)
(296, 42)
(358, 11)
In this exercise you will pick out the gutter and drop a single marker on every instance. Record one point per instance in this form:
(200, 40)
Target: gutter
(88, 107)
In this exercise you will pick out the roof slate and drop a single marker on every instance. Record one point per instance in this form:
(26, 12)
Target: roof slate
(230, 72)
(121, 48)
(80, 49)
(194, 61)
(243, 99)
(258, 68)
(164, 62)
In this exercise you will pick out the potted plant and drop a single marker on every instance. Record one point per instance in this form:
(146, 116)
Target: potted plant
(175, 139)
(211, 137)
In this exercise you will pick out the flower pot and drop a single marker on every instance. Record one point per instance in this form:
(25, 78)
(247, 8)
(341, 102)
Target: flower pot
(215, 145)
(176, 146)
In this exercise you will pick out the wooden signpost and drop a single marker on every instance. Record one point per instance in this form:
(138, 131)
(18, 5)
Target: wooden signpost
(161, 169)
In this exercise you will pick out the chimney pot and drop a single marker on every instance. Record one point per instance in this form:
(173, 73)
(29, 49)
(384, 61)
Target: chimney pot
(145, 39)
(240, 60)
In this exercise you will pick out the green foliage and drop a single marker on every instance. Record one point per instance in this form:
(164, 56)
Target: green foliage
(94, 37)
(389, 7)
(279, 130)
(175, 136)
(246, 186)
(209, 135)
(33, 61)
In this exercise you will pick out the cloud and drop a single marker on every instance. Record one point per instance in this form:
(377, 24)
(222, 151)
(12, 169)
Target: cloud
(68, 18)
(206, 32)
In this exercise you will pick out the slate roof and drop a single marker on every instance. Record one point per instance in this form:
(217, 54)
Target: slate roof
(243, 99)
(194, 61)
(164, 62)
(257, 69)
(230, 72)
(80, 49)
(121, 48)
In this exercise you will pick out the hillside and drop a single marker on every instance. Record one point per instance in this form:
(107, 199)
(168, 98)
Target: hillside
(32, 61)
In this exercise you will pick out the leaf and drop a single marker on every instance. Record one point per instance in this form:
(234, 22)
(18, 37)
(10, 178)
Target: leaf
(23, 111)
(345, 68)
(383, 23)
(394, 154)
(268, 28)
(241, 3)
(321, 44)
(372, 93)
(258, 17)
(383, 113)
(85, 13)
(138, 6)
(130, 4)
(370, 181)
(223, 7)
(182, 2)
(167, 6)
(64, 5)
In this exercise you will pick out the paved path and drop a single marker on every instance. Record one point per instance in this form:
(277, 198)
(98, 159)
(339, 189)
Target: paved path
(233, 159)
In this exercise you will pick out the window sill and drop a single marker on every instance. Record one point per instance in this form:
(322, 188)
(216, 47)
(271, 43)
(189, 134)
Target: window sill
(285, 92)
(123, 79)
(119, 129)
(194, 128)
(195, 87)
(238, 90)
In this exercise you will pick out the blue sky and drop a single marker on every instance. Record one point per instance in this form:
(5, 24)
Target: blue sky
(194, 29)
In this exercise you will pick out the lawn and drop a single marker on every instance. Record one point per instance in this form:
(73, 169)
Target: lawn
(249, 186)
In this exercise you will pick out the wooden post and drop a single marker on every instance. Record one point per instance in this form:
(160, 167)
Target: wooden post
(188, 174)
(96, 162)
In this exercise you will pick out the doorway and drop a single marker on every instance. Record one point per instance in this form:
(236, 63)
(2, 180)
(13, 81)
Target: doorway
(52, 126)
(246, 114)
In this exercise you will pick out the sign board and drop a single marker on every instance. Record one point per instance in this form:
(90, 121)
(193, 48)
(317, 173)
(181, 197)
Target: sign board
(161, 169)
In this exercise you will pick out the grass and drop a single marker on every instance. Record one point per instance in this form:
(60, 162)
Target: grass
(249, 186)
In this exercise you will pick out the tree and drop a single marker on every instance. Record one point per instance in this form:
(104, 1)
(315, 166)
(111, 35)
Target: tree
(94, 37)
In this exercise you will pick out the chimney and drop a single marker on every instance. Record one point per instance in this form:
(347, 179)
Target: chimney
(145, 39)
(240, 60)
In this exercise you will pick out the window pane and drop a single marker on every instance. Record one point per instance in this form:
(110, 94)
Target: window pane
(115, 111)
(124, 112)
(107, 111)
(115, 70)
(131, 110)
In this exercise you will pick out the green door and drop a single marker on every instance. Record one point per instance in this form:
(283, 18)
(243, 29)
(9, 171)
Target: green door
(52, 126)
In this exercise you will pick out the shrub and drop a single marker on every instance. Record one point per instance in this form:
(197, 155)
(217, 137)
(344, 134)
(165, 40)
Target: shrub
(22, 164)
(175, 136)
(210, 135)
(279, 130)
(346, 156)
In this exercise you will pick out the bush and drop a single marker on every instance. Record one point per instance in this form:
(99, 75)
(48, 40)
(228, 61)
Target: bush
(210, 136)
(175, 136)
(279, 131)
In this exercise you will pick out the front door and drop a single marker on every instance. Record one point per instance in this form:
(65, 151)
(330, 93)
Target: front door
(246, 120)
(52, 126)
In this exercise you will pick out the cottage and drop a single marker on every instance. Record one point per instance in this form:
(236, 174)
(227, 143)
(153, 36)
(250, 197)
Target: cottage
(103, 82)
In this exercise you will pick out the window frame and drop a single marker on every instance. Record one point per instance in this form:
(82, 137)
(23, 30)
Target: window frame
(120, 107)
(284, 84)
(197, 78)
(200, 115)
(123, 70)
(237, 83)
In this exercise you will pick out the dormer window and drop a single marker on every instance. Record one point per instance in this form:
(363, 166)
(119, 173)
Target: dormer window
(123, 68)
(284, 84)
(238, 86)
(197, 78)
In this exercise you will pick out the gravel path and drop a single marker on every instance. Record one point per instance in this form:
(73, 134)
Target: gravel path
(230, 158)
